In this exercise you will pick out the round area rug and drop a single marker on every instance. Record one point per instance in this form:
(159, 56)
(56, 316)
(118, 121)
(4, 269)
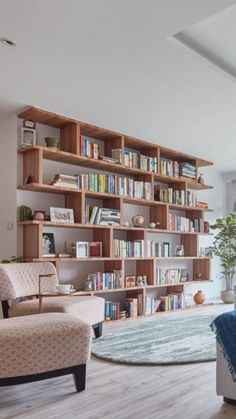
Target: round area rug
(159, 341)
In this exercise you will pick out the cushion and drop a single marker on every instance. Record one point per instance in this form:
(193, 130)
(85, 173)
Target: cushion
(89, 309)
(42, 343)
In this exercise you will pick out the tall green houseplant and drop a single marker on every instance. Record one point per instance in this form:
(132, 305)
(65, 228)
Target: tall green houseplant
(225, 249)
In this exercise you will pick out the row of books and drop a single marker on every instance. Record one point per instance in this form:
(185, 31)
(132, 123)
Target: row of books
(114, 184)
(136, 160)
(88, 148)
(105, 183)
(156, 249)
(126, 249)
(102, 216)
(112, 310)
(171, 276)
(99, 281)
(174, 196)
(172, 302)
(187, 170)
(179, 223)
(169, 167)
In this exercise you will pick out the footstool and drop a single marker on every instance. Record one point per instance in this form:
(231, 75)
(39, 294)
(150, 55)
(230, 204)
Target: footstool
(42, 346)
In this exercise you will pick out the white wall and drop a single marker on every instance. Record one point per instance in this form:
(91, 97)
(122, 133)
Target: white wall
(8, 184)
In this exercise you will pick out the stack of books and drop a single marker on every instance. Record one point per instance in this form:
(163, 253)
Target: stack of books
(172, 302)
(106, 280)
(126, 249)
(174, 196)
(179, 223)
(113, 184)
(102, 216)
(171, 276)
(156, 249)
(187, 170)
(65, 181)
(88, 148)
(112, 311)
(169, 167)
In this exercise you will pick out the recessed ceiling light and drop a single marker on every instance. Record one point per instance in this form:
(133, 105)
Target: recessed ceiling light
(8, 42)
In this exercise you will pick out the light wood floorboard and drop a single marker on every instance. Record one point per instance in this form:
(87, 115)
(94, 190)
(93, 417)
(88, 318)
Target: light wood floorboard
(121, 392)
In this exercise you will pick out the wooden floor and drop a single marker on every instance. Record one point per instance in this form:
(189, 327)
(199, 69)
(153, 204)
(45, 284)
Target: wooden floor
(121, 392)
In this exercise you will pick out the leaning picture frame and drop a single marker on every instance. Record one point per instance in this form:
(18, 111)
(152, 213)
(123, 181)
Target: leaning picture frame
(62, 215)
(82, 250)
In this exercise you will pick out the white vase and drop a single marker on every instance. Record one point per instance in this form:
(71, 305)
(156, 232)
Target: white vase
(227, 296)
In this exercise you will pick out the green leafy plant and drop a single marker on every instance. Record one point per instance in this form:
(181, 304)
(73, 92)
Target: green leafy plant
(225, 247)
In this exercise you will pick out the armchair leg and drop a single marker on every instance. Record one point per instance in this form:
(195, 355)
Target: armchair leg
(227, 400)
(80, 377)
(97, 330)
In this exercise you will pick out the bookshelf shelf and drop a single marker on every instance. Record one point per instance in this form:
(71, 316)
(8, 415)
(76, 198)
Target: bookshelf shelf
(151, 155)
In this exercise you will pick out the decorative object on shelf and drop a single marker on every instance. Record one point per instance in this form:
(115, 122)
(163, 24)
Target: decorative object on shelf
(123, 314)
(199, 297)
(28, 134)
(88, 283)
(179, 250)
(39, 215)
(52, 143)
(184, 275)
(25, 213)
(141, 281)
(152, 225)
(206, 227)
(200, 179)
(62, 215)
(48, 245)
(198, 275)
(130, 281)
(138, 221)
(125, 223)
(206, 251)
(225, 248)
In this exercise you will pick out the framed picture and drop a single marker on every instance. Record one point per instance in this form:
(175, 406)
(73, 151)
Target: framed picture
(130, 281)
(62, 215)
(82, 250)
(183, 275)
(48, 245)
(95, 249)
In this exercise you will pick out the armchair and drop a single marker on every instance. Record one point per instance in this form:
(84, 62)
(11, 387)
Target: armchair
(19, 280)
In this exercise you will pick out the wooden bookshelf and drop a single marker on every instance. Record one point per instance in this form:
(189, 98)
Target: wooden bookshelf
(70, 154)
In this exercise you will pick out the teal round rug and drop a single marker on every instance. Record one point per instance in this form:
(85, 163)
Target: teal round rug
(159, 341)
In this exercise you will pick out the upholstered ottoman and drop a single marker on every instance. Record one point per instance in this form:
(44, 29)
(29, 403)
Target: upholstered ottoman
(43, 346)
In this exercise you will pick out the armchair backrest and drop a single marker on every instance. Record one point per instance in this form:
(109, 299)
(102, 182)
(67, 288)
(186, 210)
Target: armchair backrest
(22, 279)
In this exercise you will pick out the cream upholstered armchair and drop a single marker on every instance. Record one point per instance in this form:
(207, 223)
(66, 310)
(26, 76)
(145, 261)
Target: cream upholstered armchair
(19, 280)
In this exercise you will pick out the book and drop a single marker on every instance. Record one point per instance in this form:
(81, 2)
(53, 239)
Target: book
(95, 249)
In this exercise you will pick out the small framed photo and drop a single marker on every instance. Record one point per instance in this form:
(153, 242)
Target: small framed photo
(130, 281)
(183, 275)
(48, 245)
(62, 215)
(82, 250)
(95, 249)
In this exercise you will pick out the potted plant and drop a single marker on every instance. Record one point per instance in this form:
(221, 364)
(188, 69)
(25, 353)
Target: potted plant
(225, 249)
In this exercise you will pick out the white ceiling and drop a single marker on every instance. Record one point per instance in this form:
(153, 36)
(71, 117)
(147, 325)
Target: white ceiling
(109, 62)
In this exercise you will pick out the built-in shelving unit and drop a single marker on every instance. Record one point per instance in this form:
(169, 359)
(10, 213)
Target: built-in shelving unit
(70, 153)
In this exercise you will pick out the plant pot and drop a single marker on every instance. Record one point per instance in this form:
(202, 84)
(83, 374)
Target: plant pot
(227, 296)
(52, 142)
